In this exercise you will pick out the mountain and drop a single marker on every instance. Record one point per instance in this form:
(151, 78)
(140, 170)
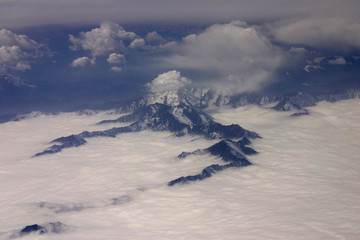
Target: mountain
(296, 101)
(204, 98)
(180, 112)
(201, 98)
(231, 152)
(180, 120)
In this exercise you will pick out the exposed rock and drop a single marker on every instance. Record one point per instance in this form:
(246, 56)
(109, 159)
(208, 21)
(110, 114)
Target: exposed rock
(206, 173)
(48, 228)
(227, 150)
(180, 120)
(300, 113)
(33, 228)
(295, 102)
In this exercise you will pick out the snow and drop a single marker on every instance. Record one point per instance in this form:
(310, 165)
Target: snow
(304, 184)
(178, 114)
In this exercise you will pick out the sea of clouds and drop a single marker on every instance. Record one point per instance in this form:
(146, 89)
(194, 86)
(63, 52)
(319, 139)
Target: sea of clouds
(304, 183)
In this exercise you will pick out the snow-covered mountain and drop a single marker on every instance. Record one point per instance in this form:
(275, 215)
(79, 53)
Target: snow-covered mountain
(200, 98)
(180, 120)
(205, 98)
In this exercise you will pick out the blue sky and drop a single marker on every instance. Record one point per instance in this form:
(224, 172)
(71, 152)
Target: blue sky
(66, 53)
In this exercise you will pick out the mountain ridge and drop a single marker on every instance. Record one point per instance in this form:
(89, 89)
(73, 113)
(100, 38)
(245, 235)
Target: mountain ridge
(203, 98)
(179, 120)
(231, 152)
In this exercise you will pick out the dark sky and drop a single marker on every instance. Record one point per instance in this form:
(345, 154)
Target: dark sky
(66, 53)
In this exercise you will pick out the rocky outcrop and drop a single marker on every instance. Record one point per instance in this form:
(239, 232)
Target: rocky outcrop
(231, 152)
(47, 228)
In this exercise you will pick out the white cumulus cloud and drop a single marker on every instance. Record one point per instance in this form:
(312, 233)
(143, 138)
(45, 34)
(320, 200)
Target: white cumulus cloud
(154, 37)
(10, 56)
(242, 58)
(337, 61)
(116, 58)
(8, 38)
(18, 52)
(82, 61)
(168, 81)
(99, 41)
(137, 43)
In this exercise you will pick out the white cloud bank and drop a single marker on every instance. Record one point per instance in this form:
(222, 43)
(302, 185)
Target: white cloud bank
(241, 57)
(168, 81)
(304, 183)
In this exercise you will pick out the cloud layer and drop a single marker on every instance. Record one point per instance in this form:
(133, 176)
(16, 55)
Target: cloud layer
(293, 190)
(24, 13)
(240, 57)
(334, 33)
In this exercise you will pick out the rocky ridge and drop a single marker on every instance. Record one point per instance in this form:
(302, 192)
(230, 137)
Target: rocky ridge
(231, 152)
(179, 120)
